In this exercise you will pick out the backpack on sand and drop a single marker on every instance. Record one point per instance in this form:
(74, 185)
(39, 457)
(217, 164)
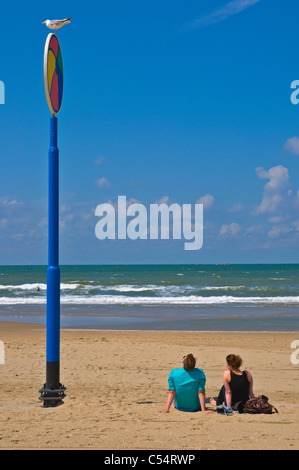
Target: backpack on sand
(259, 404)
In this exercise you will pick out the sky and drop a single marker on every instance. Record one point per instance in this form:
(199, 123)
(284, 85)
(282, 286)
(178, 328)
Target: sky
(174, 102)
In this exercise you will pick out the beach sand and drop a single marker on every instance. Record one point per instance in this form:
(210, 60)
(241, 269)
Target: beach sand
(116, 380)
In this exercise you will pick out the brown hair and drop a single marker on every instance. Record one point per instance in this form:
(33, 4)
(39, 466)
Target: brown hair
(189, 362)
(234, 361)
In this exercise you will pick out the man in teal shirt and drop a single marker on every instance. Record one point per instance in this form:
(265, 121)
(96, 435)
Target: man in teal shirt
(187, 387)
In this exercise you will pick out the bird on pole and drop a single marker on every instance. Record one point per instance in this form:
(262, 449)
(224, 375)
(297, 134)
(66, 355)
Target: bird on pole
(56, 24)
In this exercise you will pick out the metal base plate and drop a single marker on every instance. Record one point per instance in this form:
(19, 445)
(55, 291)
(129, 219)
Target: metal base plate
(52, 397)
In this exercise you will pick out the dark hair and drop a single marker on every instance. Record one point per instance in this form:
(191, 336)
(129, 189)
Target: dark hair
(234, 361)
(189, 362)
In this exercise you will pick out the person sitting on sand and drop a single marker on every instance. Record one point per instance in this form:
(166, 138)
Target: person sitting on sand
(238, 385)
(186, 387)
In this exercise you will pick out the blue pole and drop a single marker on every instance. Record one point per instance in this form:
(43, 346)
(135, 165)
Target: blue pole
(53, 272)
(52, 393)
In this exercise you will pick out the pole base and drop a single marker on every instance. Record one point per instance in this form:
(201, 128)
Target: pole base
(52, 397)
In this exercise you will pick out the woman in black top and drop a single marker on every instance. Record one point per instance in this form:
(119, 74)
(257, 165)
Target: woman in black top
(238, 385)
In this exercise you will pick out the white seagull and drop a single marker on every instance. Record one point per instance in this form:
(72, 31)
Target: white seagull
(56, 24)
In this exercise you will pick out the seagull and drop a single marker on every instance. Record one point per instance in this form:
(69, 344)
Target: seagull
(56, 24)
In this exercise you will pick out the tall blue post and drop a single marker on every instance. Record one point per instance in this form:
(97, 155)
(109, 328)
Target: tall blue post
(53, 271)
(53, 391)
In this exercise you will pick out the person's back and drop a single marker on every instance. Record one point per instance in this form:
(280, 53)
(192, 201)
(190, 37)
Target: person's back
(187, 388)
(186, 384)
(239, 385)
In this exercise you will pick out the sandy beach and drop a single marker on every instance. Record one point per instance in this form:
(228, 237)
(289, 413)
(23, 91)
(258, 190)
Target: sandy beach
(116, 380)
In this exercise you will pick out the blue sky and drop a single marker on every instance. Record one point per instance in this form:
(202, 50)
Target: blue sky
(164, 101)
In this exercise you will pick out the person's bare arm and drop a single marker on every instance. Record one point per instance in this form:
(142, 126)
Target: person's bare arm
(171, 395)
(228, 393)
(202, 400)
(250, 379)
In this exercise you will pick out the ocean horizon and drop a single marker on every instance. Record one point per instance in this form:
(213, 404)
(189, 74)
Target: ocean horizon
(226, 297)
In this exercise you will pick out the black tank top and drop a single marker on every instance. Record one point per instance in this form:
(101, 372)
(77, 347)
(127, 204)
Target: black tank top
(239, 386)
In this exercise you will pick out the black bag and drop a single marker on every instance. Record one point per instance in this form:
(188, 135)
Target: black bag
(239, 406)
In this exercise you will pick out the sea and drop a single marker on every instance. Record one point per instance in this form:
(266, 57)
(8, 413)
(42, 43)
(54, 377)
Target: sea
(239, 297)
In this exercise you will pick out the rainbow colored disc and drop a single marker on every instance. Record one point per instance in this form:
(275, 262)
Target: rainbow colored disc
(53, 73)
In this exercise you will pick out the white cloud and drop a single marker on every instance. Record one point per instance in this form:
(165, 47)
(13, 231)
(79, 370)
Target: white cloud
(292, 145)
(236, 208)
(279, 204)
(86, 215)
(163, 200)
(99, 161)
(207, 201)
(8, 202)
(65, 219)
(279, 230)
(18, 236)
(230, 9)
(3, 223)
(102, 182)
(284, 229)
(43, 222)
(65, 208)
(229, 229)
(276, 219)
(253, 230)
(276, 191)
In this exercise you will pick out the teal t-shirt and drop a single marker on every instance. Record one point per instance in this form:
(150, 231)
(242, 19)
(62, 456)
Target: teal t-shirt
(186, 385)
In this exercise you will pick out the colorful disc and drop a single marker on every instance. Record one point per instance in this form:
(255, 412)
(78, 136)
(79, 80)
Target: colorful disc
(53, 73)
